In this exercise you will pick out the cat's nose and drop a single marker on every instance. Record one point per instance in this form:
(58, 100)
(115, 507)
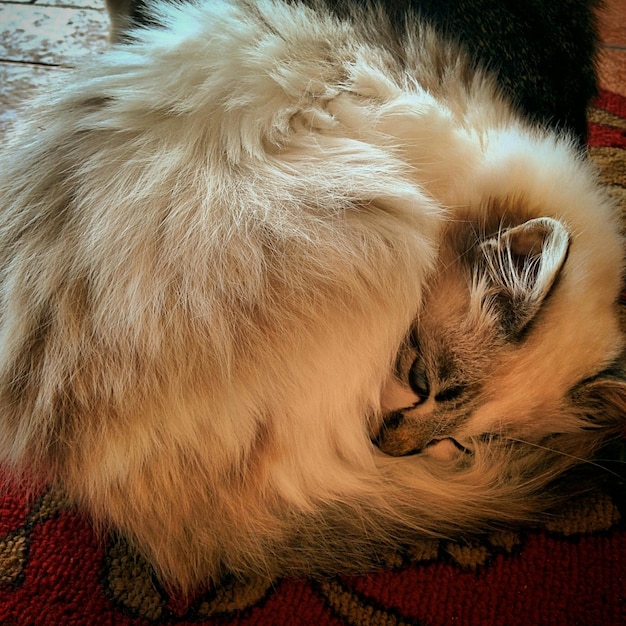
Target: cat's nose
(399, 436)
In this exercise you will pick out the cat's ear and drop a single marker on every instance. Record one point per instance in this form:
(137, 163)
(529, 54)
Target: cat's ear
(520, 265)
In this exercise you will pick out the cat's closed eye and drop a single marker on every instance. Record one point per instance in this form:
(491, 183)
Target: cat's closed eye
(450, 393)
(418, 380)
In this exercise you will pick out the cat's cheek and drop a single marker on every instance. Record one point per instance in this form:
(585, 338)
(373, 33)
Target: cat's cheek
(396, 396)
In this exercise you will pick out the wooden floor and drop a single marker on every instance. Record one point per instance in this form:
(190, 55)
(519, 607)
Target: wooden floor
(40, 38)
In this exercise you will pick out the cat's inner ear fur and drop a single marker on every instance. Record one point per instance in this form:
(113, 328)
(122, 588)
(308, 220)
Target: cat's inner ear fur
(517, 268)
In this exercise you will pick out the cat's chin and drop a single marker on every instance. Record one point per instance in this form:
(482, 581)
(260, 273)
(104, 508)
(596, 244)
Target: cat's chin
(447, 449)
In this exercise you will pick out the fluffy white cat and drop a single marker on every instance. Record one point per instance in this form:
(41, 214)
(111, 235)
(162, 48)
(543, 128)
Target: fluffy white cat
(253, 257)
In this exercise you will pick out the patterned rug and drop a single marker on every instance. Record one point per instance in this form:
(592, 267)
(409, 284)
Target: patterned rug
(55, 571)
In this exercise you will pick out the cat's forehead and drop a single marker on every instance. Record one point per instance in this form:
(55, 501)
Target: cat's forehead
(453, 344)
(471, 224)
(451, 312)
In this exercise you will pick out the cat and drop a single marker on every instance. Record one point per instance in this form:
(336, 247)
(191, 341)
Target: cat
(282, 290)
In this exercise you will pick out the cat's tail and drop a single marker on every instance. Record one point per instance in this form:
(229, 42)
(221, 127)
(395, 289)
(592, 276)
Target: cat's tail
(497, 485)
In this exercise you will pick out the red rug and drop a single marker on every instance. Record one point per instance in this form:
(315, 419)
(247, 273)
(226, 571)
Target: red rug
(54, 571)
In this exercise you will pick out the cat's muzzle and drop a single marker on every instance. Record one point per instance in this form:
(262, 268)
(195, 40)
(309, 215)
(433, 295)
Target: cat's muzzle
(397, 438)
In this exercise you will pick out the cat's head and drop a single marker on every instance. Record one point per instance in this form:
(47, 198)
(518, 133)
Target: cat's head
(517, 341)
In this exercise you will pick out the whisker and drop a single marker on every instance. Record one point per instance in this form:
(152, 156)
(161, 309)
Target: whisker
(574, 457)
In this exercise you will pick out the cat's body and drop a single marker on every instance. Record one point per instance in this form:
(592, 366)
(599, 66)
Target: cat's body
(543, 53)
(213, 244)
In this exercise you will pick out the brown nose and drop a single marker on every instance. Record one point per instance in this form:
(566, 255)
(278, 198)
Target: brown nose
(399, 436)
